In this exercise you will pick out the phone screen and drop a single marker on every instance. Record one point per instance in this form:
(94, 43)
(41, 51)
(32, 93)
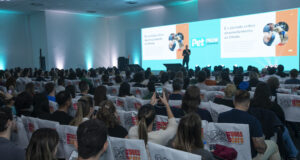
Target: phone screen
(159, 91)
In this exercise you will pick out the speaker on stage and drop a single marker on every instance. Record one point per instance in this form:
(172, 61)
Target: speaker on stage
(123, 63)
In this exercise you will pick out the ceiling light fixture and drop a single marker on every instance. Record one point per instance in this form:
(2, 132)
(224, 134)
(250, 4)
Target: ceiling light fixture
(131, 2)
(36, 4)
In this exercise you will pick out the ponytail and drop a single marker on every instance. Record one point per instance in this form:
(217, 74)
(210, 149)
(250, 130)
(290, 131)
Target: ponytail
(79, 114)
(143, 130)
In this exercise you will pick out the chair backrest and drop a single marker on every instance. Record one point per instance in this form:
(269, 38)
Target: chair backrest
(139, 92)
(127, 118)
(216, 109)
(30, 125)
(53, 106)
(113, 90)
(121, 103)
(216, 88)
(134, 104)
(231, 135)
(290, 105)
(67, 138)
(284, 90)
(161, 122)
(125, 149)
(175, 103)
(97, 81)
(112, 98)
(39, 86)
(21, 138)
(159, 152)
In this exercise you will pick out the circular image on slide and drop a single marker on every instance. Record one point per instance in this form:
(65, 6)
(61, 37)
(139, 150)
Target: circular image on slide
(176, 40)
(275, 34)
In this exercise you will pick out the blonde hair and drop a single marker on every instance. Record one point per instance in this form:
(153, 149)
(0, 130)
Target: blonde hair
(230, 90)
(106, 113)
(146, 116)
(84, 104)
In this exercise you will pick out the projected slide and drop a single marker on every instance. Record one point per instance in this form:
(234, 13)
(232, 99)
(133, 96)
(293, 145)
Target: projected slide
(260, 40)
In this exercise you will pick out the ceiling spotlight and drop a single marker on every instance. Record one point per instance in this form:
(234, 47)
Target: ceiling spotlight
(131, 1)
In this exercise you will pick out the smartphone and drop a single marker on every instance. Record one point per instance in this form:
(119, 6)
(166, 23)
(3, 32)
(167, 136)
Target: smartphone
(159, 91)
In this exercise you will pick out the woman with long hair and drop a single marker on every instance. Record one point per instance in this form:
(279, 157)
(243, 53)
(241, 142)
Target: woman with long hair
(124, 90)
(43, 145)
(108, 114)
(85, 110)
(189, 136)
(146, 116)
(100, 95)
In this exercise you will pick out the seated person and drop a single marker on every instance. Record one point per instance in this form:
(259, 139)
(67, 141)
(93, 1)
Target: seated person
(84, 88)
(201, 81)
(177, 87)
(118, 80)
(253, 79)
(260, 148)
(50, 91)
(108, 114)
(146, 116)
(91, 140)
(85, 108)
(41, 106)
(151, 89)
(124, 90)
(138, 78)
(189, 136)
(190, 103)
(60, 85)
(208, 81)
(64, 102)
(100, 95)
(280, 71)
(293, 79)
(23, 104)
(229, 94)
(224, 78)
(105, 80)
(8, 150)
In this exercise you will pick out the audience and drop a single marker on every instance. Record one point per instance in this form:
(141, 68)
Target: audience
(8, 150)
(273, 83)
(177, 87)
(201, 81)
(189, 137)
(71, 89)
(146, 115)
(260, 148)
(280, 71)
(253, 79)
(29, 88)
(43, 145)
(41, 106)
(60, 85)
(293, 79)
(91, 140)
(85, 110)
(100, 95)
(23, 104)
(124, 90)
(84, 88)
(50, 91)
(224, 78)
(208, 81)
(108, 114)
(64, 102)
(229, 91)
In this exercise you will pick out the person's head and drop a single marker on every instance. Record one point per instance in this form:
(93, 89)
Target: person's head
(30, 88)
(186, 46)
(118, 79)
(242, 99)
(230, 90)
(273, 83)
(72, 90)
(6, 122)
(100, 95)
(61, 82)
(294, 73)
(179, 75)
(124, 90)
(225, 76)
(253, 75)
(191, 99)
(105, 78)
(151, 87)
(177, 84)
(239, 78)
(43, 145)
(146, 116)
(40, 104)
(63, 99)
(201, 76)
(84, 87)
(108, 114)
(164, 77)
(262, 96)
(85, 109)
(207, 73)
(189, 135)
(91, 139)
(23, 102)
(10, 83)
(50, 88)
(139, 77)
(280, 68)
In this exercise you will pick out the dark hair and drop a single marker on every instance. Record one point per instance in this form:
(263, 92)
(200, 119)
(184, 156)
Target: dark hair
(262, 96)
(5, 115)
(83, 86)
(273, 83)
(151, 87)
(124, 90)
(49, 87)
(177, 84)
(294, 73)
(91, 137)
(23, 101)
(61, 81)
(105, 78)
(241, 97)
(238, 78)
(280, 68)
(106, 114)
(201, 76)
(146, 116)
(118, 79)
(225, 76)
(11, 81)
(71, 90)
(139, 77)
(189, 133)
(164, 78)
(191, 99)
(40, 105)
(62, 97)
(100, 95)
(84, 105)
(30, 88)
(42, 144)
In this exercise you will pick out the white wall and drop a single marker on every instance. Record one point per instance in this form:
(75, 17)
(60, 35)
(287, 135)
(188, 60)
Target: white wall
(15, 42)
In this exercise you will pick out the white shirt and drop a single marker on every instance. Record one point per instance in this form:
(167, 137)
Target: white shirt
(161, 136)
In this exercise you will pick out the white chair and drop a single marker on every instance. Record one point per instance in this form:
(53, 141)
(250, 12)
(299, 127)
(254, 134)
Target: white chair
(127, 118)
(53, 106)
(231, 135)
(30, 125)
(290, 105)
(159, 152)
(67, 135)
(139, 92)
(216, 109)
(112, 90)
(211, 95)
(21, 138)
(125, 149)
(121, 103)
(175, 103)
(134, 104)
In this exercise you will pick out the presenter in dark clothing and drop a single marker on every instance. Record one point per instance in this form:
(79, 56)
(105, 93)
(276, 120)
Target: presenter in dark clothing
(186, 56)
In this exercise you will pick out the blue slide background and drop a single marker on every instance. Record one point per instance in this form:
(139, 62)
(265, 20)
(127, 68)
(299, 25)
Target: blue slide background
(210, 54)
